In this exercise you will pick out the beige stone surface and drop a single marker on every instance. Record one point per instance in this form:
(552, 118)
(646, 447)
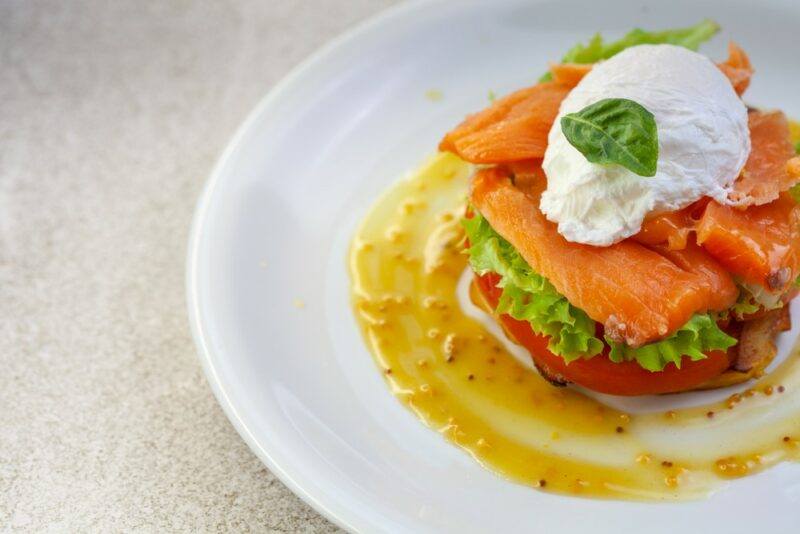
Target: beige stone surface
(111, 116)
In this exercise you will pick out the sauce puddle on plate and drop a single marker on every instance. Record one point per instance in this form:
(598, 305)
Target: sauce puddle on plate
(406, 262)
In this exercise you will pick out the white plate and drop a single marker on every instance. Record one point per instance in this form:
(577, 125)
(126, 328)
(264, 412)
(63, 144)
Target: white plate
(273, 227)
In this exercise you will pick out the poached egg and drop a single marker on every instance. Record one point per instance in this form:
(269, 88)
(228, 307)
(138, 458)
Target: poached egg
(703, 142)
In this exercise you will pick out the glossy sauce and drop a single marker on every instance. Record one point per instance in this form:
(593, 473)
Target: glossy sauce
(406, 262)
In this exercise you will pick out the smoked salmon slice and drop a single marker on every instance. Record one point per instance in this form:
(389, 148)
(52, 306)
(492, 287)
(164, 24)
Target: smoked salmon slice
(767, 171)
(569, 74)
(759, 244)
(737, 68)
(639, 293)
(513, 128)
(673, 228)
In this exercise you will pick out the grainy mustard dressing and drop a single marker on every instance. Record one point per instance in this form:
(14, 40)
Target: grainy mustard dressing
(406, 263)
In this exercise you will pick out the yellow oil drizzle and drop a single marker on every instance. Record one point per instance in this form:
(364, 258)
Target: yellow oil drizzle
(405, 264)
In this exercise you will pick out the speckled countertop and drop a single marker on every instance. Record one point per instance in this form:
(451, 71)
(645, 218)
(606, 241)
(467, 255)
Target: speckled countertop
(111, 116)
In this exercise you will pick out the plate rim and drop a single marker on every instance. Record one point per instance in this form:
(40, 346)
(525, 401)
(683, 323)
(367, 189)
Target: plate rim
(198, 330)
(347, 518)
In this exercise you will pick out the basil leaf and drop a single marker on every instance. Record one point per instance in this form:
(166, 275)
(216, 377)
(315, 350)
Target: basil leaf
(615, 130)
(596, 50)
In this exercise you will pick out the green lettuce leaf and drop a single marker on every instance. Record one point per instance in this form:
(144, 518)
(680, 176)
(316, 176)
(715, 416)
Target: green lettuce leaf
(753, 297)
(596, 50)
(700, 335)
(745, 304)
(795, 192)
(528, 296)
(795, 189)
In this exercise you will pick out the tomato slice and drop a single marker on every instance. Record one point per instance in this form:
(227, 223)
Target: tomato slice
(600, 373)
